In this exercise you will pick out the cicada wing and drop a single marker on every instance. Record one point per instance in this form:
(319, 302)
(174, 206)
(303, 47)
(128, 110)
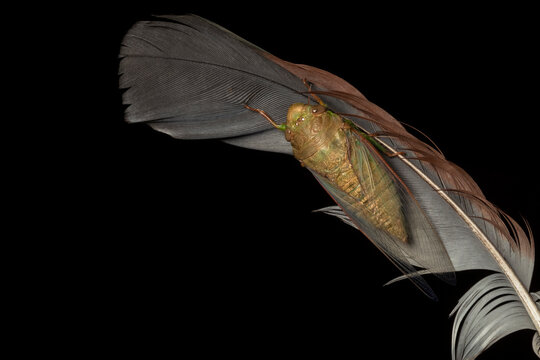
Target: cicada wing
(423, 245)
(388, 214)
(386, 243)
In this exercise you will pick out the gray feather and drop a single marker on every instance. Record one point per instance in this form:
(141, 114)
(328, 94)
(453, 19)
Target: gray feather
(190, 78)
(536, 344)
(489, 311)
(337, 212)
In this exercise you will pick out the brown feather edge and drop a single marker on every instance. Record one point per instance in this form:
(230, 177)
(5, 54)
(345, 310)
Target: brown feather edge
(453, 177)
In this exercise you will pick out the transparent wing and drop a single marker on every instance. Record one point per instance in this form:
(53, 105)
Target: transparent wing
(384, 209)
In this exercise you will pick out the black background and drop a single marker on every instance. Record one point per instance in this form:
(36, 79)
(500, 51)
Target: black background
(197, 246)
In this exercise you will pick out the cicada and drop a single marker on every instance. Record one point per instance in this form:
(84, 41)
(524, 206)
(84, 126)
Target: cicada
(350, 164)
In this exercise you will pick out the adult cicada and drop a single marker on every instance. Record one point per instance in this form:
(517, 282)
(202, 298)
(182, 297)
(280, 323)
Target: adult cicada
(350, 164)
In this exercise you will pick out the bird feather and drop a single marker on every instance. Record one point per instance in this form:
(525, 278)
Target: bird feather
(190, 78)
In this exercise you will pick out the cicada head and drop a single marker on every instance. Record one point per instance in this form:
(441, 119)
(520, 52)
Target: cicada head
(302, 121)
(307, 127)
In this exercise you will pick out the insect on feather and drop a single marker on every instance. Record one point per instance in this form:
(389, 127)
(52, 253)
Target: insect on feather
(192, 79)
(349, 164)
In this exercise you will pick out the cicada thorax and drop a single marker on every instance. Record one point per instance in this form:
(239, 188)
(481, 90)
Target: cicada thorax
(321, 141)
(310, 129)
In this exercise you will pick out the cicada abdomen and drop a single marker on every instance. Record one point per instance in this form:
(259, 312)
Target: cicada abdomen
(324, 143)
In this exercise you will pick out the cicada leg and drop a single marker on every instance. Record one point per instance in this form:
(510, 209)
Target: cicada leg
(267, 117)
(383, 150)
(315, 96)
(394, 154)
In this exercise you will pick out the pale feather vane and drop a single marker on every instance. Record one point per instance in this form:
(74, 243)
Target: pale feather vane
(192, 79)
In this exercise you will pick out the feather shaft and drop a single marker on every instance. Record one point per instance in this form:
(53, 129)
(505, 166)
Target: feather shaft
(506, 269)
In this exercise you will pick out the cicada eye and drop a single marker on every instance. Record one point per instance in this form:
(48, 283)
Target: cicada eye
(318, 109)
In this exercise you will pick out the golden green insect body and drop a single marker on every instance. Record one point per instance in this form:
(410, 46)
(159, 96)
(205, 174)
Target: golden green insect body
(320, 141)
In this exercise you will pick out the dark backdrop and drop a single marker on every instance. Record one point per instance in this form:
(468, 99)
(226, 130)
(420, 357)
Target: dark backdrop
(200, 246)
